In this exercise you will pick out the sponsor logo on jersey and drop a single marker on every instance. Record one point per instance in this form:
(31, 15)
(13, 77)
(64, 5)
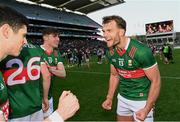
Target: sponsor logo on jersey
(129, 62)
(131, 73)
(113, 60)
(29, 46)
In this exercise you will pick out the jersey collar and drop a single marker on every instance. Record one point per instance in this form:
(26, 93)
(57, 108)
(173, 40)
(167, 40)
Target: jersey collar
(48, 53)
(121, 52)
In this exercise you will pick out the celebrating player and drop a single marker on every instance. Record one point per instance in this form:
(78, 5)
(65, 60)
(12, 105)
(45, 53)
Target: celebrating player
(13, 29)
(52, 59)
(134, 68)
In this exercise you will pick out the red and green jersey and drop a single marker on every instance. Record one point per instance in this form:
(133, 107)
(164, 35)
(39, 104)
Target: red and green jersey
(22, 76)
(4, 102)
(130, 63)
(53, 59)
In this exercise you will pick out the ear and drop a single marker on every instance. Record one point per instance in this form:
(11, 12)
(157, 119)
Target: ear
(121, 32)
(45, 37)
(5, 29)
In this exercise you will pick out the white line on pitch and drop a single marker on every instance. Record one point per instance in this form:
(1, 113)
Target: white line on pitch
(104, 73)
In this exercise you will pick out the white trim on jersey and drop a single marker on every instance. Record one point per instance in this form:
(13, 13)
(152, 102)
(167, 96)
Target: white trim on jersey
(60, 62)
(150, 66)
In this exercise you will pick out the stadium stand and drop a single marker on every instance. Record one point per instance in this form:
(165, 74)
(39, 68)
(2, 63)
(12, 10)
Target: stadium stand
(83, 6)
(159, 33)
(70, 25)
(77, 32)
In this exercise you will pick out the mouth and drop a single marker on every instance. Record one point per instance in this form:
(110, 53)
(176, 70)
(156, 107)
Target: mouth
(108, 40)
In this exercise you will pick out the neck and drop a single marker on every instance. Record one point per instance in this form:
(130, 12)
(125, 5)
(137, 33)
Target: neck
(123, 42)
(47, 47)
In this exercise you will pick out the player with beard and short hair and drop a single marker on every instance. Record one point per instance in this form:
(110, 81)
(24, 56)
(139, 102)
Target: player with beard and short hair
(133, 70)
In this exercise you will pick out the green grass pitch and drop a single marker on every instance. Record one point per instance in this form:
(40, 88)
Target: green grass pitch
(91, 85)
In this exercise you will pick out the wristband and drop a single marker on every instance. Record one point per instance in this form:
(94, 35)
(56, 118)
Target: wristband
(55, 117)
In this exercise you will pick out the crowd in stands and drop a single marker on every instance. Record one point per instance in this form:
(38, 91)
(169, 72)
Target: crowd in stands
(159, 27)
(78, 51)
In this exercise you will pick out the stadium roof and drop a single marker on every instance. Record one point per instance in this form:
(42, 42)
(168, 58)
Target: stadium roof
(83, 6)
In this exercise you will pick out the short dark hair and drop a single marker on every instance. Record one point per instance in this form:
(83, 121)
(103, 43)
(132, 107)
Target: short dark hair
(10, 16)
(121, 23)
(48, 31)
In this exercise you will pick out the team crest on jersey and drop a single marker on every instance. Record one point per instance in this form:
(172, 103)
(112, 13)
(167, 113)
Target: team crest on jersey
(50, 60)
(129, 62)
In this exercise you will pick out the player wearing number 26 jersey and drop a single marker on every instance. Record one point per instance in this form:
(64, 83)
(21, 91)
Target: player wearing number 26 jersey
(21, 74)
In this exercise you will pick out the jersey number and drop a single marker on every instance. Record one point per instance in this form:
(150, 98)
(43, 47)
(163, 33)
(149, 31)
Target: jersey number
(11, 79)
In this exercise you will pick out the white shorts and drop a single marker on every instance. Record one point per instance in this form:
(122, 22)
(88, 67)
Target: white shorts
(37, 116)
(127, 107)
(50, 110)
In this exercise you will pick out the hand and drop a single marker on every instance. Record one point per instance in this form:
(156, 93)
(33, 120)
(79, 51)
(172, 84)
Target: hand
(141, 114)
(68, 105)
(107, 104)
(45, 105)
(2, 118)
(52, 69)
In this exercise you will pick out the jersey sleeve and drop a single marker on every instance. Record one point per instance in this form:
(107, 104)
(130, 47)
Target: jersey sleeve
(42, 56)
(146, 58)
(60, 59)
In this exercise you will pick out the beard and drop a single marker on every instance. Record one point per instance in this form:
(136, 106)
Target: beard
(116, 43)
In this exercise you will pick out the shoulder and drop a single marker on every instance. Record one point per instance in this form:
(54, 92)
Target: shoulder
(140, 48)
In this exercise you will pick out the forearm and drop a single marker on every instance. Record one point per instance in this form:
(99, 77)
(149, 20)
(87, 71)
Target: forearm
(46, 86)
(113, 83)
(153, 94)
(46, 76)
(154, 76)
(59, 73)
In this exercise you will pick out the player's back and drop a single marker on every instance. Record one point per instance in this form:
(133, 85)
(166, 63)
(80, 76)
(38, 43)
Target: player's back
(22, 75)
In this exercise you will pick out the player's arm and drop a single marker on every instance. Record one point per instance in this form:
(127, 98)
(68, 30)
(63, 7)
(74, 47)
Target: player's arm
(46, 75)
(67, 107)
(2, 118)
(59, 70)
(113, 83)
(154, 76)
